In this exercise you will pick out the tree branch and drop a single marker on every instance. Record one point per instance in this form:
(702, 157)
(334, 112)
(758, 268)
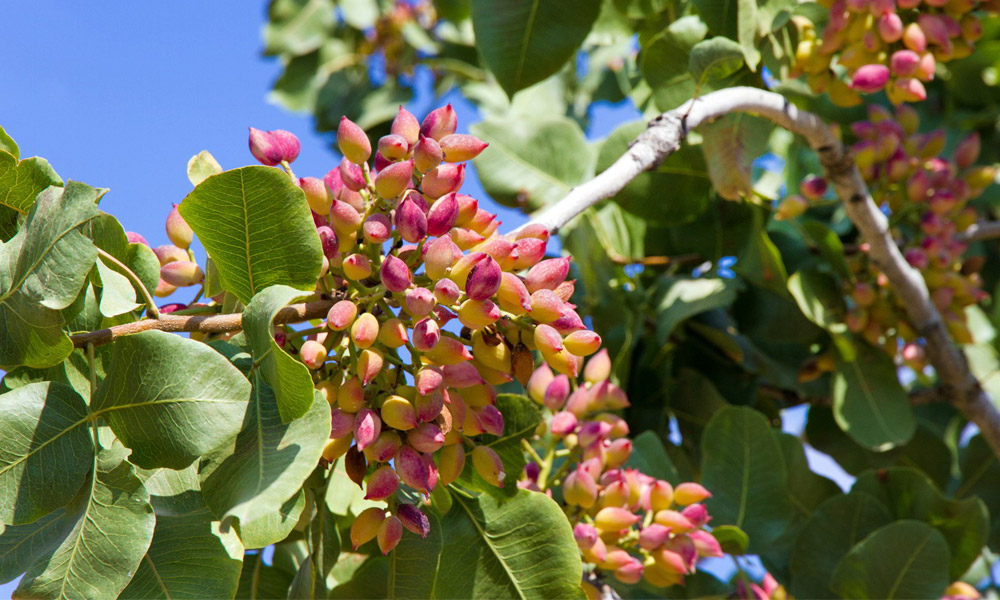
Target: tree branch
(983, 230)
(293, 313)
(664, 135)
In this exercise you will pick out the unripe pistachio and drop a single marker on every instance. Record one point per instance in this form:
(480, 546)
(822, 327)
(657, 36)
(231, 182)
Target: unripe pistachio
(522, 363)
(427, 154)
(382, 483)
(426, 334)
(264, 148)
(178, 230)
(357, 267)
(367, 427)
(392, 333)
(288, 145)
(334, 448)
(377, 228)
(487, 463)
(428, 407)
(369, 365)
(391, 181)
(585, 535)
(494, 356)
(384, 448)
(393, 147)
(529, 252)
(618, 452)
(556, 393)
(413, 519)
(484, 223)
(427, 437)
(446, 291)
(614, 518)
(547, 274)
(318, 195)
(484, 279)
(579, 488)
(870, 78)
(697, 514)
(598, 368)
(415, 470)
(447, 351)
(582, 343)
(443, 179)
(352, 176)
(439, 123)
(890, 27)
(364, 330)
(476, 314)
(398, 413)
(341, 423)
(547, 340)
(967, 151)
(461, 375)
(406, 126)
(465, 239)
(914, 38)
(593, 431)
(460, 271)
(411, 221)
(389, 534)
(451, 462)
(652, 536)
(328, 240)
(439, 255)
(705, 543)
(181, 273)
(539, 382)
(353, 142)
(442, 215)
(164, 289)
(341, 315)
(136, 238)
(366, 525)
(169, 253)
(351, 396)
(394, 273)
(490, 419)
(563, 423)
(677, 522)
(907, 89)
(459, 147)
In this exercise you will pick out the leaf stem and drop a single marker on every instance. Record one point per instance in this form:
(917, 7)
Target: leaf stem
(136, 282)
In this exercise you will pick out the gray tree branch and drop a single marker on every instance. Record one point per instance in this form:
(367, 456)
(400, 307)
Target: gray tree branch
(664, 136)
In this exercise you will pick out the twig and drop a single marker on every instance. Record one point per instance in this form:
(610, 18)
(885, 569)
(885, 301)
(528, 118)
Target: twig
(663, 137)
(293, 313)
(983, 230)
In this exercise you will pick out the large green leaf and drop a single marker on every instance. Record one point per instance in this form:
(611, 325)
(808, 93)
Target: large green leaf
(869, 403)
(266, 464)
(259, 581)
(531, 161)
(188, 558)
(665, 61)
(298, 26)
(673, 193)
(836, 526)
(324, 539)
(909, 494)
(117, 293)
(807, 489)
(743, 467)
(42, 270)
(981, 477)
(45, 453)
(906, 559)
(715, 58)
(518, 547)
(525, 41)
(22, 545)
(679, 299)
(170, 399)
(255, 224)
(521, 418)
(22, 181)
(112, 526)
(649, 457)
(274, 526)
(8, 145)
(820, 299)
(288, 377)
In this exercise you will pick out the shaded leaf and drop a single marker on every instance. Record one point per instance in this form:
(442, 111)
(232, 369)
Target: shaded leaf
(45, 450)
(715, 58)
(42, 270)
(905, 559)
(259, 581)
(525, 41)
(869, 403)
(521, 418)
(743, 467)
(679, 299)
(161, 390)
(665, 62)
(649, 457)
(732, 539)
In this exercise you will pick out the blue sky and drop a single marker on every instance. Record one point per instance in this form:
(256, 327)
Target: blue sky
(121, 95)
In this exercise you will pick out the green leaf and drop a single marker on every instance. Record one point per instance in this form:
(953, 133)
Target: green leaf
(730, 145)
(519, 547)
(188, 558)
(829, 245)
(525, 41)
(359, 14)
(22, 545)
(747, 28)
(298, 26)
(261, 582)
(266, 464)
(112, 528)
(22, 181)
(521, 418)
(869, 403)
(346, 498)
(821, 301)
(760, 263)
(836, 526)
(325, 538)
(274, 526)
(743, 466)
(732, 539)
(44, 452)
(8, 145)
(807, 490)
(715, 58)
(981, 478)
(683, 173)
(202, 166)
(679, 299)
(143, 262)
(42, 270)
(117, 293)
(255, 224)
(649, 457)
(909, 494)
(531, 162)
(288, 377)
(161, 390)
(665, 59)
(367, 581)
(902, 560)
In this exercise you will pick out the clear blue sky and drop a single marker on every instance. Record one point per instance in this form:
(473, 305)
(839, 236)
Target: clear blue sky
(122, 94)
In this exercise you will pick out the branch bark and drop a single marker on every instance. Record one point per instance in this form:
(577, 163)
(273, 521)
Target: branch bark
(984, 230)
(664, 136)
(293, 313)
